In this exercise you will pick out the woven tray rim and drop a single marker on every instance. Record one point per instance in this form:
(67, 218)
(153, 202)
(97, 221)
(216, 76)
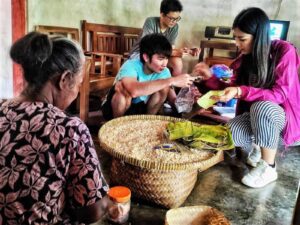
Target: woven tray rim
(182, 210)
(177, 212)
(200, 165)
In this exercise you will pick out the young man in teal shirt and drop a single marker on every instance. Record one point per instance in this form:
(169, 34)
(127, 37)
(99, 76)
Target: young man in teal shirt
(167, 25)
(142, 85)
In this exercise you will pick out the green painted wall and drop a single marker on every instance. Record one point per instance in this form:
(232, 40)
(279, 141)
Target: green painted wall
(70, 12)
(196, 14)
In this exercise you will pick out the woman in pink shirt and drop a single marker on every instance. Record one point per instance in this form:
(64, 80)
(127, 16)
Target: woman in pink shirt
(267, 86)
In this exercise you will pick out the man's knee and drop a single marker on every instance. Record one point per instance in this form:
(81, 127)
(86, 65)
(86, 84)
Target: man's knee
(163, 93)
(176, 65)
(121, 101)
(159, 97)
(118, 99)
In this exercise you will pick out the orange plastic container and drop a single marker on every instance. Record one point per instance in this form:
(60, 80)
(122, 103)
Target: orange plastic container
(119, 194)
(119, 205)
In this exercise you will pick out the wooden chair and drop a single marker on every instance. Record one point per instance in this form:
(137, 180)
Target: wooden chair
(83, 99)
(102, 38)
(107, 46)
(96, 82)
(211, 46)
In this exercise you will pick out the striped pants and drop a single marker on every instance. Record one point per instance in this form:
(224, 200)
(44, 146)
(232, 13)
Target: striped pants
(263, 126)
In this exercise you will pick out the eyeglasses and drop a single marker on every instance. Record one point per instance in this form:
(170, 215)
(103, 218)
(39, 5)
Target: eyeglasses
(172, 19)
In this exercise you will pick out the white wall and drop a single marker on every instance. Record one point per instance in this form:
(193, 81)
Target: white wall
(6, 77)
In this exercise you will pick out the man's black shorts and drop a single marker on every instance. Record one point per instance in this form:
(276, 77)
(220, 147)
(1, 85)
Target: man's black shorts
(134, 109)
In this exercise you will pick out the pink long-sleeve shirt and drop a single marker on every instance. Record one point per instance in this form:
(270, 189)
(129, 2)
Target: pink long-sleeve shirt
(285, 92)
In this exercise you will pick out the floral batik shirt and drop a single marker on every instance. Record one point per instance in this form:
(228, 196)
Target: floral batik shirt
(48, 164)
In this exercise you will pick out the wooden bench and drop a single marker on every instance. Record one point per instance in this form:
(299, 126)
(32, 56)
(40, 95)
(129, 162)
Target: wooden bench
(108, 38)
(107, 46)
(69, 32)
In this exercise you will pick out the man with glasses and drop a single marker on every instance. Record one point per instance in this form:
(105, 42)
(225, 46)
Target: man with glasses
(167, 25)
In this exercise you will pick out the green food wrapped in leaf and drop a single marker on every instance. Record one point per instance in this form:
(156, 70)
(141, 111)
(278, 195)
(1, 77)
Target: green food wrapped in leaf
(214, 137)
(178, 130)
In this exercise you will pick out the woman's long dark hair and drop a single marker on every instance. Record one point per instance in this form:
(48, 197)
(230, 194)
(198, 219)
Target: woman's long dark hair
(256, 69)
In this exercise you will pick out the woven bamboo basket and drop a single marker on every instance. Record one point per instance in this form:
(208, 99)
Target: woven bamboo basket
(195, 215)
(164, 183)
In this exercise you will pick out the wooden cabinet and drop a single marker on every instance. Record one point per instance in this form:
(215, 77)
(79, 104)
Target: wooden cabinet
(210, 47)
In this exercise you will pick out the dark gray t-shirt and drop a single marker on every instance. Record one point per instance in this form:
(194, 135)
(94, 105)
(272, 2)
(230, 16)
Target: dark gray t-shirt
(151, 26)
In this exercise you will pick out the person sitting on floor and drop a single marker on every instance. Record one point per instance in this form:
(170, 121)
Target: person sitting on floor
(142, 85)
(167, 25)
(267, 86)
(49, 169)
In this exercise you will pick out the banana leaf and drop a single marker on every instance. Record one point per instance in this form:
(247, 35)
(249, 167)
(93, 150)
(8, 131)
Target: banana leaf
(178, 130)
(216, 137)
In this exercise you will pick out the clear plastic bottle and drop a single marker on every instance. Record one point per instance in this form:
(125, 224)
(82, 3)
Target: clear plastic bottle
(119, 204)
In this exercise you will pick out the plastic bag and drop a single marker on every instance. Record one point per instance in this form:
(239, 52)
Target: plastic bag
(185, 99)
(222, 72)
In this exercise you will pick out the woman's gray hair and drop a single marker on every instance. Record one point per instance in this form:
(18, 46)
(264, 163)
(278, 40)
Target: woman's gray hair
(43, 57)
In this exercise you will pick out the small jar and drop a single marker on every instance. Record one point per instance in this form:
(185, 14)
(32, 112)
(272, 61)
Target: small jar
(119, 204)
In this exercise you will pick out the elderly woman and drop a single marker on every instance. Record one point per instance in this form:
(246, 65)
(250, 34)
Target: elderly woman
(49, 170)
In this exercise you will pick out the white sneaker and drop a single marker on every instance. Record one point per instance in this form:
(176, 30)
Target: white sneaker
(260, 176)
(167, 105)
(254, 156)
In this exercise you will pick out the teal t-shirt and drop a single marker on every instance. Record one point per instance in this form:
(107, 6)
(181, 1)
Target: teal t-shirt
(134, 68)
